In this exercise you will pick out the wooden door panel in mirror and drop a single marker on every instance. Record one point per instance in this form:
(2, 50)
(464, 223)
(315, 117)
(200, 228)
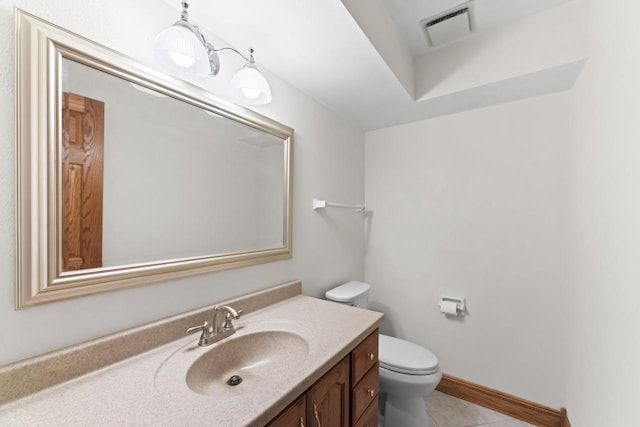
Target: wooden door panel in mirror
(82, 175)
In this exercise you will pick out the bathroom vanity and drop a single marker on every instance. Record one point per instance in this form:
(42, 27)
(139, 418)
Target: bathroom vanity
(303, 361)
(347, 395)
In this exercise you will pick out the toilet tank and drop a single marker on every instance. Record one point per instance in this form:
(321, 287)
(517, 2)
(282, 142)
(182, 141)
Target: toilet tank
(354, 293)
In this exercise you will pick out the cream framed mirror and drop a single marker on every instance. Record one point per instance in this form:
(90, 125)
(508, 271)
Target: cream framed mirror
(127, 176)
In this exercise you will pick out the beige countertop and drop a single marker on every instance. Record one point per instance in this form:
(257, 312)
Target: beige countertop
(150, 389)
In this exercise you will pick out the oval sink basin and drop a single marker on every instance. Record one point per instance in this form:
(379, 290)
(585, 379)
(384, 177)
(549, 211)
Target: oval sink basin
(259, 358)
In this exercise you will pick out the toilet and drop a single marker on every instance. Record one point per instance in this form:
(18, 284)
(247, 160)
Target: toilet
(408, 372)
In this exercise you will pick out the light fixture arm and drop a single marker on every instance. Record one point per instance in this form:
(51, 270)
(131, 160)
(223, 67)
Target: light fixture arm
(250, 58)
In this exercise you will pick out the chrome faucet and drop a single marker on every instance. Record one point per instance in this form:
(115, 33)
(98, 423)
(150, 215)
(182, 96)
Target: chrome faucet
(231, 313)
(218, 330)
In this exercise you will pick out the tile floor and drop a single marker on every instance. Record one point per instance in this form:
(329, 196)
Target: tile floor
(448, 411)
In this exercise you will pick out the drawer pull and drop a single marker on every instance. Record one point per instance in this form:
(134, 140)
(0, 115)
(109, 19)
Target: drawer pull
(371, 356)
(315, 413)
(371, 392)
(301, 422)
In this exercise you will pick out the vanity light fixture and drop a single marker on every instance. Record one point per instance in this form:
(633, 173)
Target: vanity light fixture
(182, 50)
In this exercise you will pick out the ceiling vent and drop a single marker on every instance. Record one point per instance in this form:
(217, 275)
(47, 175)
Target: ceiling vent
(448, 26)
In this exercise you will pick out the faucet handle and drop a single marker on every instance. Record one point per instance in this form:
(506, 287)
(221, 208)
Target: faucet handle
(207, 335)
(228, 317)
(204, 328)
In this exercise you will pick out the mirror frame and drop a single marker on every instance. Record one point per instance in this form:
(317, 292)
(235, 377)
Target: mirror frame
(40, 47)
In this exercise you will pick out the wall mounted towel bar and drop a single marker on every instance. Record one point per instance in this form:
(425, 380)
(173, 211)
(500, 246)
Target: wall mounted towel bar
(321, 204)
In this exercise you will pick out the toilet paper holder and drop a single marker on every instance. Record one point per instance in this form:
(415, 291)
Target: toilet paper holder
(452, 306)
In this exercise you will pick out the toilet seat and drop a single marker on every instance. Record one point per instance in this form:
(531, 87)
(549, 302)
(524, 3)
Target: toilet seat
(405, 357)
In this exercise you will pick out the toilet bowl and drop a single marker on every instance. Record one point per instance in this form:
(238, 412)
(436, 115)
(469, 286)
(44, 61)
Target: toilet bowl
(408, 372)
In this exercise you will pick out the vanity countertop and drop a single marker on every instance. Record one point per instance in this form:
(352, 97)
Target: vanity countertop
(141, 390)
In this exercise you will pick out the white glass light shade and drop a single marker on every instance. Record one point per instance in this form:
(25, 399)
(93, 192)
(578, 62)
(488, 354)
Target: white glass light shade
(249, 86)
(181, 52)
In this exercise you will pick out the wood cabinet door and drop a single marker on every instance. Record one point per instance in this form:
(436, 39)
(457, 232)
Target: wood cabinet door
(82, 179)
(328, 399)
(294, 416)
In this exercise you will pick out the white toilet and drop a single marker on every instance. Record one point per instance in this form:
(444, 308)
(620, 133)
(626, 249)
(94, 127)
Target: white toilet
(408, 372)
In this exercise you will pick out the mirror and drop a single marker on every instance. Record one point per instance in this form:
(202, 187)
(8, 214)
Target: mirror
(127, 176)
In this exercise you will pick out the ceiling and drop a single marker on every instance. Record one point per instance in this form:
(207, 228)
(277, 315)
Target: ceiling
(323, 50)
(486, 14)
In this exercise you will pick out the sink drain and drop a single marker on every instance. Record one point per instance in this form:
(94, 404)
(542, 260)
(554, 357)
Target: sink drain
(234, 380)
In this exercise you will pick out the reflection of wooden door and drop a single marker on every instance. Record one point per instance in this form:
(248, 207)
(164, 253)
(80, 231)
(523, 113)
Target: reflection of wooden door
(82, 170)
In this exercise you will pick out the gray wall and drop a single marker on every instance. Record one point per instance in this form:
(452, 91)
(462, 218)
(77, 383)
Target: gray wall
(603, 385)
(473, 205)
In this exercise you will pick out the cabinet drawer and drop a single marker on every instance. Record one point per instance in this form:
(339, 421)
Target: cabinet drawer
(364, 356)
(370, 416)
(364, 394)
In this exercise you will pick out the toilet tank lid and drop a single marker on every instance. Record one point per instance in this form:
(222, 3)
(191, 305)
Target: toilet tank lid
(347, 292)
